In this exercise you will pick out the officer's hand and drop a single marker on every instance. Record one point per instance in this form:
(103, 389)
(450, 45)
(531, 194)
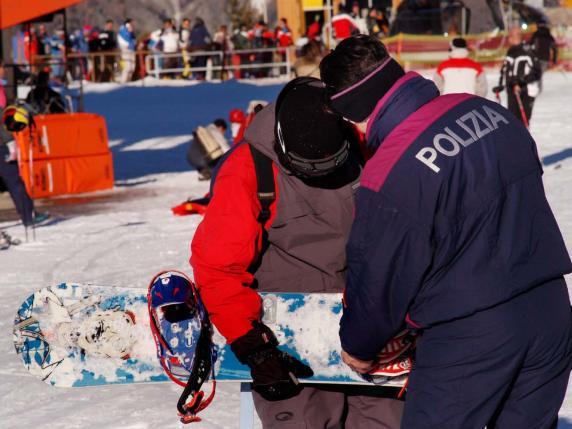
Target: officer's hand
(358, 365)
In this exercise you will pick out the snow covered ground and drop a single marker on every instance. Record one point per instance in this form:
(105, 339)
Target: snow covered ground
(123, 237)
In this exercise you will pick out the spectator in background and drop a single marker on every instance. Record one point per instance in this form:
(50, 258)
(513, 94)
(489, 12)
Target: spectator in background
(283, 37)
(43, 99)
(79, 45)
(520, 75)
(261, 37)
(344, 26)
(107, 44)
(155, 45)
(377, 23)
(240, 38)
(43, 40)
(127, 45)
(184, 45)
(222, 42)
(57, 48)
(200, 41)
(30, 45)
(92, 34)
(169, 42)
(359, 18)
(309, 62)
(207, 147)
(241, 41)
(459, 73)
(314, 30)
(544, 46)
(283, 34)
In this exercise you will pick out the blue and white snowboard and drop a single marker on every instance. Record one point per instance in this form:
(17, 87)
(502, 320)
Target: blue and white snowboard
(75, 335)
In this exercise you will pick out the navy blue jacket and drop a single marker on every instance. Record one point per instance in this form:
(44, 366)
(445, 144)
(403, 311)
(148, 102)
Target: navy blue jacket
(200, 37)
(451, 216)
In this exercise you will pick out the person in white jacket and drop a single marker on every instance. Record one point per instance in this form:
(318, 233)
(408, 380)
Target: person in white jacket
(169, 42)
(459, 73)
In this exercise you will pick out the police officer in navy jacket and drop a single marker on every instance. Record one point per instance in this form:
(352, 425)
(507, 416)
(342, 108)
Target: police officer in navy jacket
(452, 236)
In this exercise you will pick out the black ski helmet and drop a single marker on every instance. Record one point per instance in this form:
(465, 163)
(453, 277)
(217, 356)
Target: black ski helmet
(311, 140)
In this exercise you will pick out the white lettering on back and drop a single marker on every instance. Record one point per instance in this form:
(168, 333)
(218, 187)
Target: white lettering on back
(472, 126)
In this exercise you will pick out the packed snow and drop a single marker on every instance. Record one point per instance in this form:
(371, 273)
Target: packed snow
(125, 236)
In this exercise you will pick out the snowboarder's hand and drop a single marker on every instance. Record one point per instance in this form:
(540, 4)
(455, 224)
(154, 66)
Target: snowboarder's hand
(358, 365)
(274, 372)
(498, 89)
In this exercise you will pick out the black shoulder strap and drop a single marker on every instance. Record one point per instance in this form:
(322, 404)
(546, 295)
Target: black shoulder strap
(266, 190)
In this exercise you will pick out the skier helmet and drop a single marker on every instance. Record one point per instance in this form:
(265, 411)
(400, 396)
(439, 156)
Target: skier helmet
(183, 336)
(311, 140)
(16, 118)
(237, 115)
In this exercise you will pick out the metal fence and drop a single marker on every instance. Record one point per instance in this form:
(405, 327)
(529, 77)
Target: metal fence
(202, 65)
(213, 65)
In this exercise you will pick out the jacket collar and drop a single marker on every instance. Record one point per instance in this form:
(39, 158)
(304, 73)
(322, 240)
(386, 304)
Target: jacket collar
(408, 94)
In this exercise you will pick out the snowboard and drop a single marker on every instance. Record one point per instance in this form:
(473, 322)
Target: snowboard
(76, 335)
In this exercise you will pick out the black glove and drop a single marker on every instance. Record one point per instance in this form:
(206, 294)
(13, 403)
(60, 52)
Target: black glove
(274, 372)
(498, 89)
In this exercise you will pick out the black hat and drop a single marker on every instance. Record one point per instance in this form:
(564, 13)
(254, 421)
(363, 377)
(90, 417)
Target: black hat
(458, 43)
(311, 140)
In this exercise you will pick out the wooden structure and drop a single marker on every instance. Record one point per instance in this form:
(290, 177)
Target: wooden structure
(296, 12)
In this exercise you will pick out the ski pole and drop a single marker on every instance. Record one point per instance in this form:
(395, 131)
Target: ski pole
(497, 96)
(31, 169)
(521, 107)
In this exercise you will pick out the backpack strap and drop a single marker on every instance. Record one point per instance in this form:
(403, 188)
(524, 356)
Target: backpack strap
(266, 191)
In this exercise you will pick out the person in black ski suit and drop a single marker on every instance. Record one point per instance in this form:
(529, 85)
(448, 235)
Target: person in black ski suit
(43, 99)
(520, 75)
(107, 43)
(544, 46)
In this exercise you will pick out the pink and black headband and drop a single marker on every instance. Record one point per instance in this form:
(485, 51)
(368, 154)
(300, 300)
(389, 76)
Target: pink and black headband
(357, 101)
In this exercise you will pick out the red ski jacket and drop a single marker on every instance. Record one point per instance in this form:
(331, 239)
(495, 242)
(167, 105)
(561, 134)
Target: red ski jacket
(221, 273)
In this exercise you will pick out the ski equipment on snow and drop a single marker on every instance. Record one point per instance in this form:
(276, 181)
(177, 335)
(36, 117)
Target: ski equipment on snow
(521, 108)
(183, 336)
(6, 241)
(496, 91)
(192, 206)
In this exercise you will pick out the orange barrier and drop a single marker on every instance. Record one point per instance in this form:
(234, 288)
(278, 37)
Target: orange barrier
(65, 154)
(72, 175)
(61, 135)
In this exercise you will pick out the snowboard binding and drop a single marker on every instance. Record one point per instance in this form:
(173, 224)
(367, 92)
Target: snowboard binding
(395, 360)
(183, 336)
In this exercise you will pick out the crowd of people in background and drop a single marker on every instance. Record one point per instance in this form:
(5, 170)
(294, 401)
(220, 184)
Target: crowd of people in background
(189, 50)
(117, 51)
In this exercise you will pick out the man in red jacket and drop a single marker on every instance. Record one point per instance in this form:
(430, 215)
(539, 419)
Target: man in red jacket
(292, 242)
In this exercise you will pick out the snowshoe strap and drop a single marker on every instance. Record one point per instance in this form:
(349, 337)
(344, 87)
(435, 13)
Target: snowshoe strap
(266, 191)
